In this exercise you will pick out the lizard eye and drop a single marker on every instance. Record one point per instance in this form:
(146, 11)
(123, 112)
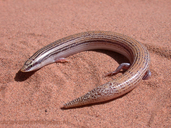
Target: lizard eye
(33, 64)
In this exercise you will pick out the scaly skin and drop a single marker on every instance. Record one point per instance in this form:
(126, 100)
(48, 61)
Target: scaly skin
(136, 53)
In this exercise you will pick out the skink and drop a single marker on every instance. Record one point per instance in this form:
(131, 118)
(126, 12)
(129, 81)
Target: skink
(137, 69)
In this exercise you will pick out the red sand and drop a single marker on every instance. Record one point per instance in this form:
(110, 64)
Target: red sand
(34, 99)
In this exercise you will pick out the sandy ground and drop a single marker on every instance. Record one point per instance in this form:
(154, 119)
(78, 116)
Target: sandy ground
(34, 99)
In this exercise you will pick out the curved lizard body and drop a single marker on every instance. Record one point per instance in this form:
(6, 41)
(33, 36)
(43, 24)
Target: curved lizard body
(136, 53)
